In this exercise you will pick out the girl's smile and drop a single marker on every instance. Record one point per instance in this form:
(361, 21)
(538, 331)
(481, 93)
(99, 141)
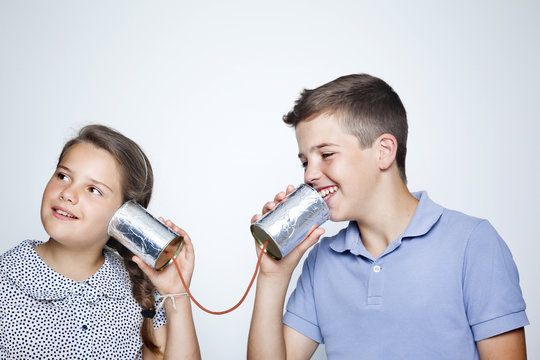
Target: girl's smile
(62, 214)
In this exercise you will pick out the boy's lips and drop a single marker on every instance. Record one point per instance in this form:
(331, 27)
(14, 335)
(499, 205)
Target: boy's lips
(63, 214)
(327, 191)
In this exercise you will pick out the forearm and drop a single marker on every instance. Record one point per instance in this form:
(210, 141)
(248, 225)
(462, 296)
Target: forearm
(506, 346)
(266, 339)
(182, 340)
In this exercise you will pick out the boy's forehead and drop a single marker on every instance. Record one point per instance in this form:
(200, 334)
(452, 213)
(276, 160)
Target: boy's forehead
(323, 128)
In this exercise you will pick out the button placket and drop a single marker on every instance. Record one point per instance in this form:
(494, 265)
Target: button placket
(376, 285)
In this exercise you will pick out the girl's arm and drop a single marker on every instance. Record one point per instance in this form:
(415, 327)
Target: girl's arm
(177, 339)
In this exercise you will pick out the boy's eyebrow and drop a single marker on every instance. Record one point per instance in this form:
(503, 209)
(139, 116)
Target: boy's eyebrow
(317, 147)
(91, 180)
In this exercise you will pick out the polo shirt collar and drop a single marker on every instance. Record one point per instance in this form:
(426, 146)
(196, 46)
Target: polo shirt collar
(35, 278)
(426, 215)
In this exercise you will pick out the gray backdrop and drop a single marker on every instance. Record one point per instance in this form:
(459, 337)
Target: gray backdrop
(202, 86)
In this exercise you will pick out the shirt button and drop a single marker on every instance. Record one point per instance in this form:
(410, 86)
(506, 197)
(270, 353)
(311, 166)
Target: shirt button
(84, 327)
(376, 268)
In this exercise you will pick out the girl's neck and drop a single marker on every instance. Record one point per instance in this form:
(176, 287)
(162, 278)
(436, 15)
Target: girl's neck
(74, 263)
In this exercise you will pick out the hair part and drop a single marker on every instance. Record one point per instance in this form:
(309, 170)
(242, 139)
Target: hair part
(365, 107)
(137, 184)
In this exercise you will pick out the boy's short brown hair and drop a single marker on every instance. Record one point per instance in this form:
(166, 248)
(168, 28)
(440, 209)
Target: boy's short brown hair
(365, 106)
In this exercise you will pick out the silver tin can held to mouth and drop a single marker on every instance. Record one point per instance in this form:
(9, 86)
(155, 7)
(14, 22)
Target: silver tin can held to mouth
(144, 235)
(290, 221)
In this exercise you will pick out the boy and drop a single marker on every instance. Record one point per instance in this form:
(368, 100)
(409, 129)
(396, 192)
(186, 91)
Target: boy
(407, 279)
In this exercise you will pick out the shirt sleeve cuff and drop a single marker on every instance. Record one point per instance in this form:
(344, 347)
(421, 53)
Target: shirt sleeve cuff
(499, 325)
(304, 327)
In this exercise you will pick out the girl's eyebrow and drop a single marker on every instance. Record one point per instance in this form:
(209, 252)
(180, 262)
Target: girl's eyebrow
(63, 167)
(91, 179)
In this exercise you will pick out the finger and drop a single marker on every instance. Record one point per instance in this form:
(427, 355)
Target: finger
(268, 207)
(279, 197)
(174, 227)
(255, 218)
(289, 190)
(310, 240)
(187, 248)
(147, 269)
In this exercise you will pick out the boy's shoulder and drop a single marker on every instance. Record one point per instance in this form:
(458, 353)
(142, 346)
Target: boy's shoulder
(430, 220)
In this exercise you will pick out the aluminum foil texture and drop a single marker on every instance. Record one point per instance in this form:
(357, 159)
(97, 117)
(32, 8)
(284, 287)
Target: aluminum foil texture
(290, 221)
(144, 235)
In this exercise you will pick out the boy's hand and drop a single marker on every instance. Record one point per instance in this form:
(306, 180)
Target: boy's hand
(286, 265)
(167, 280)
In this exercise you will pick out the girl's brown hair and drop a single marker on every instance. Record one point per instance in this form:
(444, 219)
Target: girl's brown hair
(137, 183)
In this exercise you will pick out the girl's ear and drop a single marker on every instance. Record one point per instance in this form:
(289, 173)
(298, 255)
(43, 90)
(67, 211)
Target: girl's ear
(386, 146)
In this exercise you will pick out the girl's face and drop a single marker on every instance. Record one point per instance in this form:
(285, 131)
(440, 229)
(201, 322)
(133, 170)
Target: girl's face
(81, 197)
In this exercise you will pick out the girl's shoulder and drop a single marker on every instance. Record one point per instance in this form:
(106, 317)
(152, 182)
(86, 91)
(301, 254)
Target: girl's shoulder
(18, 254)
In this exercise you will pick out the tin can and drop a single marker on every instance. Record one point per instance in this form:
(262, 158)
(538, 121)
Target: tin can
(290, 221)
(144, 235)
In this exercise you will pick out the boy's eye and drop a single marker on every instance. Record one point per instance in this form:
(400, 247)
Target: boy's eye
(304, 164)
(62, 176)
(327, 155)
(94, 190)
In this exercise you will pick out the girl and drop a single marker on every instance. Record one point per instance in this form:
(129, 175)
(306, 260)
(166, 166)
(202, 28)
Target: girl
(73, 297)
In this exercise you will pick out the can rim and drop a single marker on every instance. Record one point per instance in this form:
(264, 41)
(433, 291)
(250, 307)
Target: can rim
(261, 237)
(176, 252)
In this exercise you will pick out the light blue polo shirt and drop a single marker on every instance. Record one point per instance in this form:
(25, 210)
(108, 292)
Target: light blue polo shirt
(449, 280)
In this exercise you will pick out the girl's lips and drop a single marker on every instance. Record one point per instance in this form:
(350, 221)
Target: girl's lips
(62, 214)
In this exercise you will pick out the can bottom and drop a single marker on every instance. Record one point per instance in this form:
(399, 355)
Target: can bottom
(261, 237)
(172, 248)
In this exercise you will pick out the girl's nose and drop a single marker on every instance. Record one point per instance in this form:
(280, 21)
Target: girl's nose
(69, 194)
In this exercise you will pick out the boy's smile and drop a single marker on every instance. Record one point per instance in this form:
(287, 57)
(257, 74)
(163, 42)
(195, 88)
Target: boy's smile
(81, 197)
(334, 164)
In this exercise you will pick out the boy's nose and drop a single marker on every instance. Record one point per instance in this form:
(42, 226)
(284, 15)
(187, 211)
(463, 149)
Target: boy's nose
(311, 175)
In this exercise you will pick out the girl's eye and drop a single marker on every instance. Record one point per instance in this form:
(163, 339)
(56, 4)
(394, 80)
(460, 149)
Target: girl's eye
(62, 176)
(94, 190)
(327, 155)
(304, 164)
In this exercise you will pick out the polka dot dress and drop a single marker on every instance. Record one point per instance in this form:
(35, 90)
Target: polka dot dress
(44, 315)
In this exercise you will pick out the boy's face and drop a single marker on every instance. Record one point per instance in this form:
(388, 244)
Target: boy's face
(336, 165)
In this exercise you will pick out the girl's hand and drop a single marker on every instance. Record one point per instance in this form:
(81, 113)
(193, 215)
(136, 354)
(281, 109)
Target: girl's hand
(167, 280)
(286, 265)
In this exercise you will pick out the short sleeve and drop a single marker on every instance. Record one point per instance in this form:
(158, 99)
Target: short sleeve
(492, 295)
(160, 318)
(301, 313)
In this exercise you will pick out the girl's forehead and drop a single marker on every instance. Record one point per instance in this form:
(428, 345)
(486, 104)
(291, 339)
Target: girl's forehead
(89, 161)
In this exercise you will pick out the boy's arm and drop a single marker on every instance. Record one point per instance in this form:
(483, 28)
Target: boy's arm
(268, 337)
(508, 346)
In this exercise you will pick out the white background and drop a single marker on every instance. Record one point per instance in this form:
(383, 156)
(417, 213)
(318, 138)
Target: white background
(202, 86)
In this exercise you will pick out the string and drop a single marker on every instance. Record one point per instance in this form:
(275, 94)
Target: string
(241, 300)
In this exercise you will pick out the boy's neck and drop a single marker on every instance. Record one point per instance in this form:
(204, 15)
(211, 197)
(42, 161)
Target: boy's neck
(74, 263)
(390, 213)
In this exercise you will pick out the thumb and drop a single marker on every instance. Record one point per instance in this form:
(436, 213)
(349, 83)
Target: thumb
(312, 237)
(146, 269)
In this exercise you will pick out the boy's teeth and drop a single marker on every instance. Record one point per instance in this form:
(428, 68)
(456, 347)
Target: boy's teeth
(324, 192)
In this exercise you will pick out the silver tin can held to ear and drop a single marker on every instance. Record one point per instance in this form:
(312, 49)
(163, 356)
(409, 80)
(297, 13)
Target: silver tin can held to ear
(290, 221)
(144, 235)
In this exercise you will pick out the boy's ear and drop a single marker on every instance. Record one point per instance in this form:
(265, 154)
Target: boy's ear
(386, 146)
